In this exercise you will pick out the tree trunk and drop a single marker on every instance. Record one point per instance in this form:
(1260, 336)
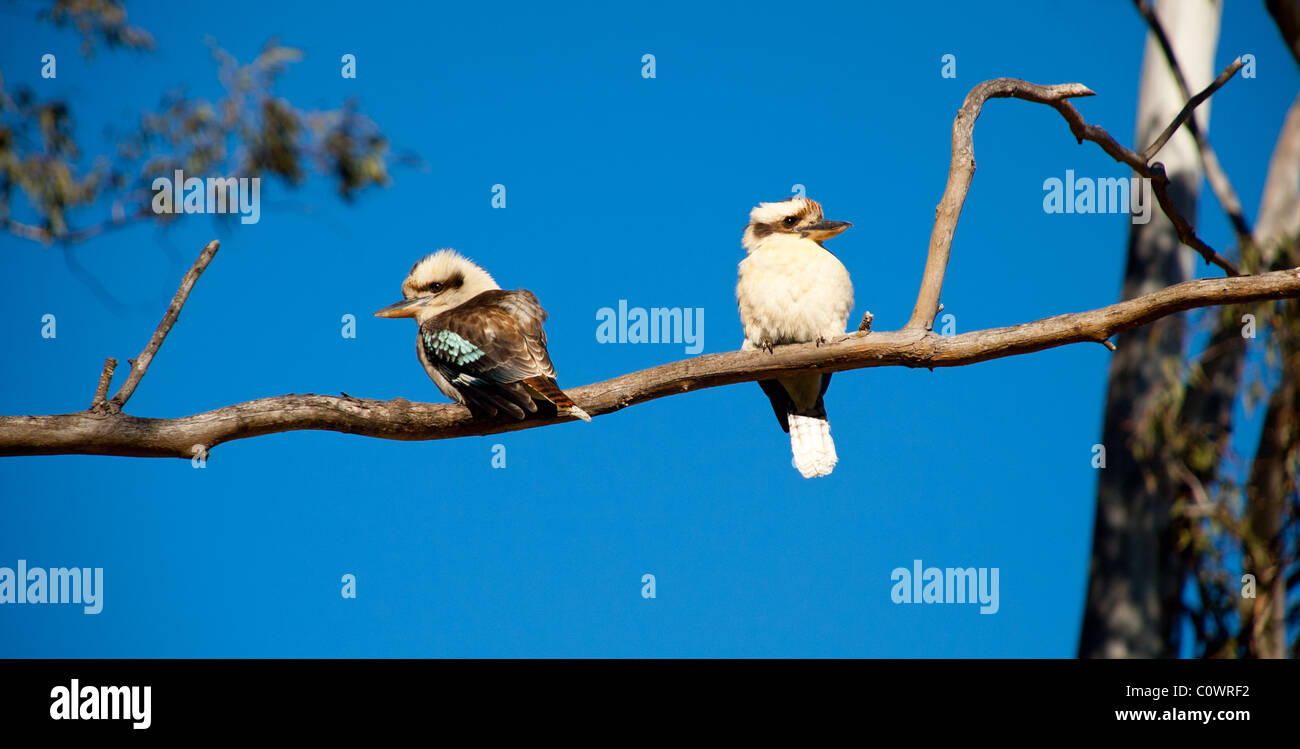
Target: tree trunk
(1137, 574)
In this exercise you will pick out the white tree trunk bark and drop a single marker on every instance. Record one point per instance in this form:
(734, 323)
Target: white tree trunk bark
(1136, 574)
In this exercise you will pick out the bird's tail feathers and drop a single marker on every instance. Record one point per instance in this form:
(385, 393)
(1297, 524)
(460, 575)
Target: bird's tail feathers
(546, 387)
(488, 401)
(810, 441)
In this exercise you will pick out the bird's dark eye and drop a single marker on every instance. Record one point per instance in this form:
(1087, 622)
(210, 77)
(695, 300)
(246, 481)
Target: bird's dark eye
(790, 220)
(435, 287)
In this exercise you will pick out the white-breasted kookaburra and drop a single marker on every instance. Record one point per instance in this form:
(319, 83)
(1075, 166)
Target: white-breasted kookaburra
(482, 346)
(792, 290)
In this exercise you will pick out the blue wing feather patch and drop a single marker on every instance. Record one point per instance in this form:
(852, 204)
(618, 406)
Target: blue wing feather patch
(450, 347)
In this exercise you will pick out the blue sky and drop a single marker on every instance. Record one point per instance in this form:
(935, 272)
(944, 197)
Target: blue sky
(618, 187)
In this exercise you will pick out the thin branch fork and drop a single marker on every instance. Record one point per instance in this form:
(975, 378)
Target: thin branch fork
(140, 364)
(962, 169)
(1214, 172)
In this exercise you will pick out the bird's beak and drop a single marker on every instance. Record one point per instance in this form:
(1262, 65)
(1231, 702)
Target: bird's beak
(824, 229)
(405, 308)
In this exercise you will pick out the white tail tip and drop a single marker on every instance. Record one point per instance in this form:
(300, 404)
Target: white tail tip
(810, 441)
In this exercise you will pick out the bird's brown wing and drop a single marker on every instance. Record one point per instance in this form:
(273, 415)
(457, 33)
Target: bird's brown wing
(524, 307)
(487, 346)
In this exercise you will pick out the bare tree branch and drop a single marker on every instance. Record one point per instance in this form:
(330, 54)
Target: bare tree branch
(962, 169)
(1185, 114)
(119, 220)
(1214, 172)
(140, 364)
(1154, 172)
(121, 434)
(25, 231)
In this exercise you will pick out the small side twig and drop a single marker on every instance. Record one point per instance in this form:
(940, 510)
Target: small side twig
(105, 378)
(1188, 108)
(1186, 234)
(140, 364)
(1155, 172)
(865, 325)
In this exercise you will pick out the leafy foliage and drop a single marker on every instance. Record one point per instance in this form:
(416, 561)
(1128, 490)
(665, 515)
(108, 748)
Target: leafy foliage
(248, 132)
(1232, 515)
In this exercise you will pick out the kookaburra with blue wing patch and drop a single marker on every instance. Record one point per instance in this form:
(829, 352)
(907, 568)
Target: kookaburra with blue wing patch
(483, 347)
(792, 290)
